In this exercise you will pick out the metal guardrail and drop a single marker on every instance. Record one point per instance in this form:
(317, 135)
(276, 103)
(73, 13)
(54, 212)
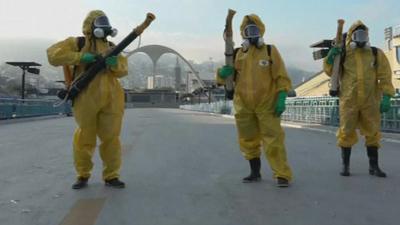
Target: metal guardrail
(18, 108)
(313, 110)
(221, 107)
(318, 110)
(391, 120)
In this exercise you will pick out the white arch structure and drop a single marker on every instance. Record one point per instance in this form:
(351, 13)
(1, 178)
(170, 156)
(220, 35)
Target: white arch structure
(156, 51)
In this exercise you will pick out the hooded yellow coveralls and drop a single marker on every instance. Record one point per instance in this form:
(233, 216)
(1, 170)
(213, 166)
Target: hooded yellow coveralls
(258, 82)
(362, 84)
(99, 108)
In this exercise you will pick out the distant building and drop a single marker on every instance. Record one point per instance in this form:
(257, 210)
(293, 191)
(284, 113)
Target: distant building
(392, 51)
(150, 82)
(210, 83)
(161, 81)
(169, 82)
(190, 82)
(316, 85)
(164, 98)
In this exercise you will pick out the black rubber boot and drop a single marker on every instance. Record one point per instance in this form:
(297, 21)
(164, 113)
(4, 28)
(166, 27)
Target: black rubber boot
(282, 182)
(255, 176)
(346, 152)
(115, 183)
(80, 183)
(373, 162)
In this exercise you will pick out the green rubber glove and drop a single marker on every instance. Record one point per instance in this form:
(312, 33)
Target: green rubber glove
(385, 103)
(280, 103)
(226, 71)
(112, 61)
(88, 58)
(332, 54)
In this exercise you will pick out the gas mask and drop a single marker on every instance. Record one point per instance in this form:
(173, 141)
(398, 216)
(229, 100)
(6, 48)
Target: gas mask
(102, 28)
(359, 39)
(252, 36)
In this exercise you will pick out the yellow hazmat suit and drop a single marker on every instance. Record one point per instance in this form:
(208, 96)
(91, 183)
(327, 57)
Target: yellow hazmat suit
(258, 81)
(361, 87)
(99, 108)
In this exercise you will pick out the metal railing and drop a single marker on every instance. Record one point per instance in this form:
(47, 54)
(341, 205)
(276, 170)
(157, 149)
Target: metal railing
(391, 120)
(318, 110)
(18, 108)
(221, 107)
(313, 110)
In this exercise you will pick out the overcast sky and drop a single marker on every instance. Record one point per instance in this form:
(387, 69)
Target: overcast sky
(194, 27)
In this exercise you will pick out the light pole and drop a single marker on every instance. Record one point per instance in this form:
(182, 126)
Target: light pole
(187, 81)
(25, 66)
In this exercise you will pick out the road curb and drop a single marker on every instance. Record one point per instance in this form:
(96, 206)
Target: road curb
(30, 119)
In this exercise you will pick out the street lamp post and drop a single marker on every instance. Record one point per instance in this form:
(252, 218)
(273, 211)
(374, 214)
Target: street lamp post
(200, 91)
(209, 95)
(187, 81)
(25, 66)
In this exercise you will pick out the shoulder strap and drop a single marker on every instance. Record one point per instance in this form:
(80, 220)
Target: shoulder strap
(111, 44)
(375, 53)
(269, 53)
(80, 41)
(269, 50)
(343, 56)
(235, 51)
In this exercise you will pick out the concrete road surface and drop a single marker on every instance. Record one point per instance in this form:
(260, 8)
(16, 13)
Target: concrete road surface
(185, 168)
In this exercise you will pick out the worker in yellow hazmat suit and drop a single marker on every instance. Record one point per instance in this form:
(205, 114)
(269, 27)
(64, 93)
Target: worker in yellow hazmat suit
(261, 86)
(365, 92)
(99, 108)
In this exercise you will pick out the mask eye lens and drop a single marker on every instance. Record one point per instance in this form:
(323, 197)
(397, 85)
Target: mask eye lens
(360, 36)
(103, 28)
(251, 31)
(102, 21)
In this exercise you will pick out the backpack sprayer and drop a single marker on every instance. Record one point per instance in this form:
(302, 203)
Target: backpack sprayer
(86, 77)
(326, 45)
(229, 52)
(337, 68)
